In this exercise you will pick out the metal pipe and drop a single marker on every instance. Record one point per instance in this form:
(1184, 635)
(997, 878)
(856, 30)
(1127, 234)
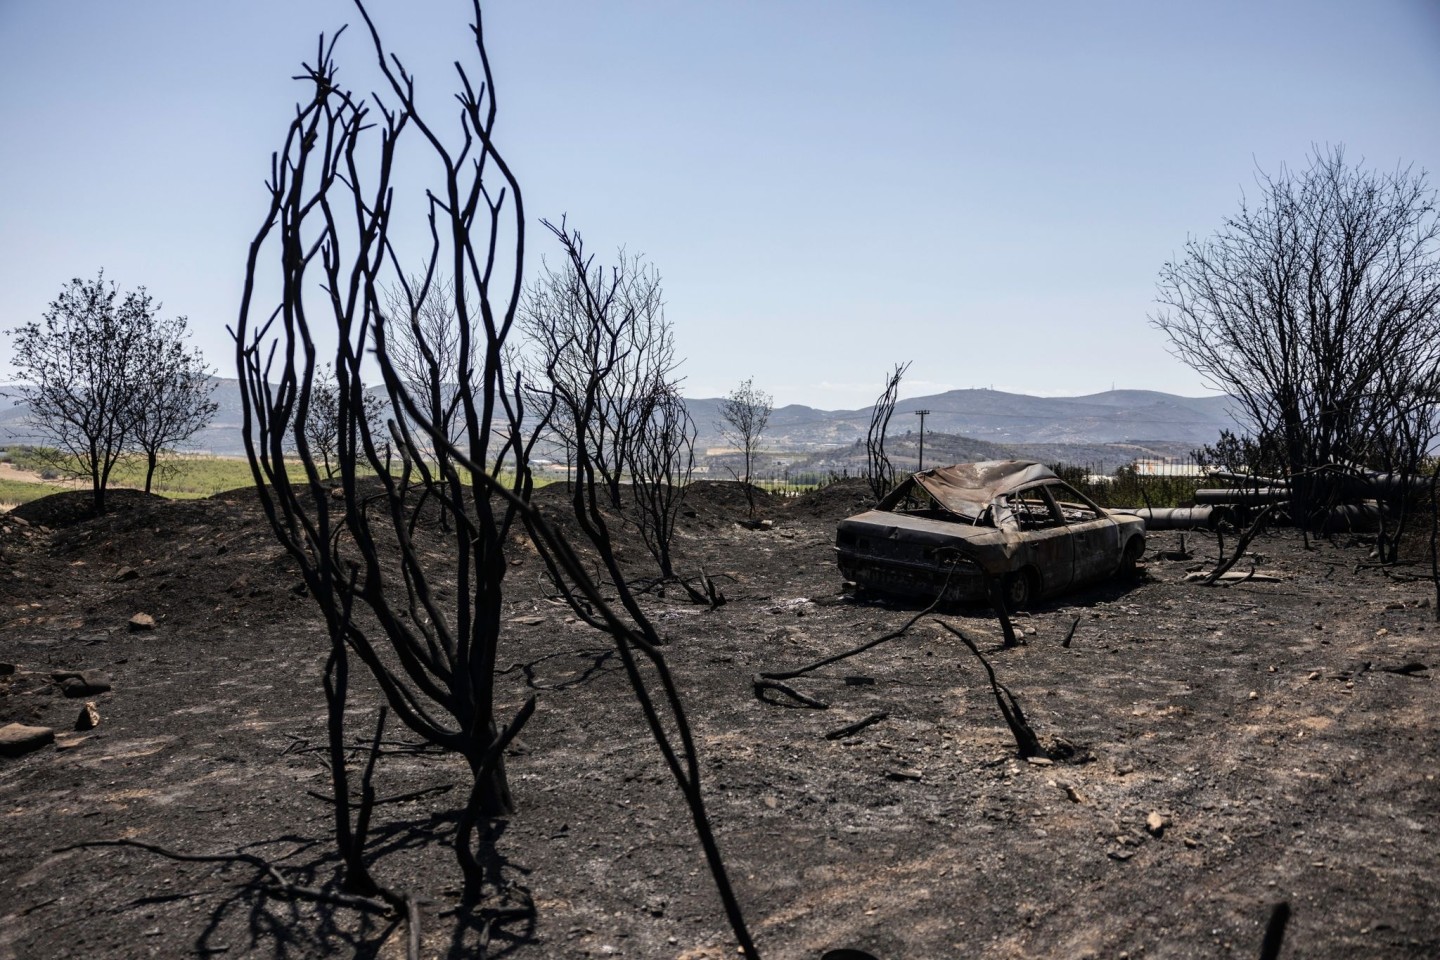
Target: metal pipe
(1177, 518)
(1218, 495)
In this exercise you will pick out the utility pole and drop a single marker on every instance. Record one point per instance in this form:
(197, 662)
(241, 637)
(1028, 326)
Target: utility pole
(922, 414)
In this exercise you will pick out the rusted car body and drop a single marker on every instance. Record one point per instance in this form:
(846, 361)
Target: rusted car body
(964, 530)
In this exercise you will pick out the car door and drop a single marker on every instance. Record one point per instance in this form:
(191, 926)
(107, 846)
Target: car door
(1046, 543)
(1095, 537)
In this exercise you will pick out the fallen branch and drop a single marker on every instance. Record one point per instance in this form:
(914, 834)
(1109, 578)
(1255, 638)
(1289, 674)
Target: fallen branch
(711, 596)
(1025, 738)
(1069, 634)
(1275, 932)
(412, 928)
(857, 726)
(801, 671)
(1250, 533)
(763, 682)
(996, 590)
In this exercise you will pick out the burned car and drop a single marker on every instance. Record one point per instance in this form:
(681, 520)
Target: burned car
(1010, 525)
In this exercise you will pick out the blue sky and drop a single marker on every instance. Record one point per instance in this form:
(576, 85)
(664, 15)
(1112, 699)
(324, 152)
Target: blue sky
(987, 190)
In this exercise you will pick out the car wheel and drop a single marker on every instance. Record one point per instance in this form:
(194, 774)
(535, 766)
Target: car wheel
(1130, 559)
(1019, 589)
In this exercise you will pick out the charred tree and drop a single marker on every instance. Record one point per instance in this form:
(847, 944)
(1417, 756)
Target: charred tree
(425, 622)
(417, 601)
(882, 474)
(1318, 310)
(602, 352)
(424, 346)
(636, 640)
(662, 458)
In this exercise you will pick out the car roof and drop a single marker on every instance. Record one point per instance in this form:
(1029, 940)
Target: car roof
(968, 488)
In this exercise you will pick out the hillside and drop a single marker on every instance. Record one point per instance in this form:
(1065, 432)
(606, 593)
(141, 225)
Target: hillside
(943, 448)
(1117, 416)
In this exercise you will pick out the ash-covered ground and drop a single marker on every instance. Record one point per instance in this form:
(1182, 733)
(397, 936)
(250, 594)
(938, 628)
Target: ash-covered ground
(1236, 746)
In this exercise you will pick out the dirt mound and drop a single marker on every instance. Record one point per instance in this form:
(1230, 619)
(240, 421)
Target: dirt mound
(76, 506)
(725, 500)
(186, 562)
(834, 501)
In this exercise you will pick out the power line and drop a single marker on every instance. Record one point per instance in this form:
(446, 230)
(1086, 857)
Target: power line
(922, 414)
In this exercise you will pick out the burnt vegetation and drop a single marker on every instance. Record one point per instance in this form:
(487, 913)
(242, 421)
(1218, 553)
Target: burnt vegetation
(616, 758)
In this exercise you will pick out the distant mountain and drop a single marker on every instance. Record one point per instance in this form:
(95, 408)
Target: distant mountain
(1117, 416)
(1141, 417)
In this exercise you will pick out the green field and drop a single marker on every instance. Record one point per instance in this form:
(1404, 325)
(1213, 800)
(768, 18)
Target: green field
(20, 491)
(180, 478)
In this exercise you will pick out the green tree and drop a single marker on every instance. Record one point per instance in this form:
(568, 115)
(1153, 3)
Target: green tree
(108, 376)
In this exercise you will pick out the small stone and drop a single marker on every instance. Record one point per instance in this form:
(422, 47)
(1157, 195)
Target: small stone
(1040, 761)
(1254, 695)
(1382, 632)
(1191, 842)
(124, 574)
(141, 621)
(903, 773)
(1073, 794)
(529, 621)
(1156, 824)
(81, 683)
(89, 717)
(17, 738)
(1123, 854)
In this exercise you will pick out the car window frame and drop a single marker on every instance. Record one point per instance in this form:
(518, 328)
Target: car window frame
(1100, 512)
(1006, 514)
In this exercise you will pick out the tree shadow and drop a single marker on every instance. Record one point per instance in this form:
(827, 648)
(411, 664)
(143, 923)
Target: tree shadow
(289, 927)
(601, 662)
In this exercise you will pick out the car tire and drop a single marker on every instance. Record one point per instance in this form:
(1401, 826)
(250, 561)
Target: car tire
(1130, 559)
(1020, 589)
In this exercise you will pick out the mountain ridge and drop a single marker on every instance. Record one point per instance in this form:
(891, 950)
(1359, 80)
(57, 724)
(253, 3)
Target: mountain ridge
(1114, 416)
